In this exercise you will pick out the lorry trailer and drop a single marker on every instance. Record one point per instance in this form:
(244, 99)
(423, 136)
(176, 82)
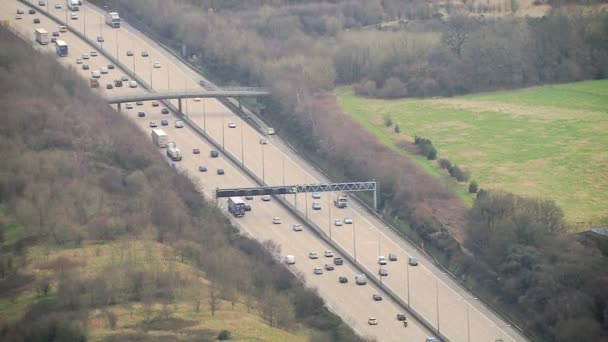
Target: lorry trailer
(160, 138)
(42, 36)
(236, 206)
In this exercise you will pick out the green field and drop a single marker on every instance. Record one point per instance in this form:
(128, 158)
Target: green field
(547, 141)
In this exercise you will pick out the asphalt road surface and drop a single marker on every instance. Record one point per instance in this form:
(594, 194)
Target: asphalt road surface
(433, 294)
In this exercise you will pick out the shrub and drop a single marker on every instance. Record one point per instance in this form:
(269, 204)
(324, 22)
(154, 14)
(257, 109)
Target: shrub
(397, 129)
(431, 154)
(444, 163)
(393, 88)
(473, 187)
(388, 121)
(458, 173)
(224, 335)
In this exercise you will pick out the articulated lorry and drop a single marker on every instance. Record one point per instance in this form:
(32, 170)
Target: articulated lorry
(42, 36)
(236, 206)
(113, 19)
(160, 138)
(341, 201)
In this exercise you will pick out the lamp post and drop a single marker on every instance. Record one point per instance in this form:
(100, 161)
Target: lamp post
(101, 31)
(437, 301)
(243, 151)
(84, 21)
(329, 214)
(223, 129)
(150, 59)
(355, 240)
(263, 175)
(407, 275)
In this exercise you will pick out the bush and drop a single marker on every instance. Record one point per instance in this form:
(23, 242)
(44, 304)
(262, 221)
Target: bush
(388, 121)
(397, 129)
(426, 147)
(224, 335)
(444, 163)
(458, 173)
(473, 187)
(393, 88)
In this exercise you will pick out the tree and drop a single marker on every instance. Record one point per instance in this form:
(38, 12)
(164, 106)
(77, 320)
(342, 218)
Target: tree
(457, 31)
(214, 299)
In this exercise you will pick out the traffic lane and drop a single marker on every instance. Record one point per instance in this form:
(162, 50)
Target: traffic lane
(258, 217)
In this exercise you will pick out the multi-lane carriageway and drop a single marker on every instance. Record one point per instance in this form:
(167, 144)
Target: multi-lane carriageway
(434, 295)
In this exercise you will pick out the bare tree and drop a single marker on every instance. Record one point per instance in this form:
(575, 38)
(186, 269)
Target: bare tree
(214, 299)
(458, 29)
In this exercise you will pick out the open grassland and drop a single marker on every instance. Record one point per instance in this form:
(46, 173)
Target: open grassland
(547, 141)
(177, 320)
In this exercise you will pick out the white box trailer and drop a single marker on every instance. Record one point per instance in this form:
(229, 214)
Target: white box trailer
(73, 5)
(160, 138)
(113, 19)
(42, 36)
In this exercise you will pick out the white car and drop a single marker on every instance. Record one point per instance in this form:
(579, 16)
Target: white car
(412, 261)
(266, 198)
(297, 227)
(85, 56)
(153, 124)
(100, 39)
(103, 70)
(73, 16)
(313, 255)
(318, 270)
(316, 206)
(93, 53)
(129, 105)
(381, 260)
(337, 222)
(197, 99)
(179, 124)
(316, 195)
(78, 60)
(328, 254)
(132, 84)
(144, 53)
(155, 104)
(231, 125)
(348, 220)
(157, 65)
(57, 6)
(372, 321)
(263, 141)
(276, 220)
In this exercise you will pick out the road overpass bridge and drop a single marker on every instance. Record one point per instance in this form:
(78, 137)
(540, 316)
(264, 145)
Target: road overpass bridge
(235, 92)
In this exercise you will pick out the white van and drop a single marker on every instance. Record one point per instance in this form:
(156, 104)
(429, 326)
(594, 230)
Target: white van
(361, 279)
(179, 124)
(41, 2)
(132, 84)
(95, 74)
(290, 260)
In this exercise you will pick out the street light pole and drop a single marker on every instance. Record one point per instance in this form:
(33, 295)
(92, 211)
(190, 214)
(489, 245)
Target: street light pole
(151, 86)
(407, 275)
(329, 214)
(437, 301)
(223, 147)
(468, 325)
(355, 240)
(263, 175)
(243, 147)
(84, 19)
(204, 116)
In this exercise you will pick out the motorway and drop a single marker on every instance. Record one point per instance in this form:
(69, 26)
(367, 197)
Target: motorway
(431, 293)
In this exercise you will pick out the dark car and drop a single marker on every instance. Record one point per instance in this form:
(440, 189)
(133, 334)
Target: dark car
(376, 297)
(109, 86)
(392, 257)
(36, 21)
(338, 261)
(196, 151)
(85, 67)
(247, 207)
(249, 198)
(100, 39)
(53, 39)
(31, 11)
(343, 280)
(220, 171)
(164, 122)
(164, 111)
(117, 83)
(129, 53)
(401, 317)
(110, 66)
(139, 103)
(55, 34)
(19, 11)
(329, 267)
(214, 154)
(141, 114)
(202, 168)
